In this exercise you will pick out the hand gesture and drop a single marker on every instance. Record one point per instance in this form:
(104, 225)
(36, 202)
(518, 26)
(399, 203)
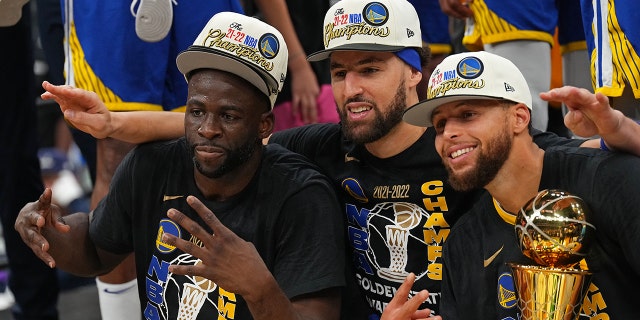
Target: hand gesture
(227, 260)
(33, 219)
(82, 109)
(402, 309)
(589, 114)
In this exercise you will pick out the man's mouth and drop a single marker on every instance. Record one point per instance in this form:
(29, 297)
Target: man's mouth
(460, 152)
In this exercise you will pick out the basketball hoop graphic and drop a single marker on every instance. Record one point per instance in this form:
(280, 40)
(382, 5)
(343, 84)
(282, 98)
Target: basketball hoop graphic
(407, 217)
(194, 295)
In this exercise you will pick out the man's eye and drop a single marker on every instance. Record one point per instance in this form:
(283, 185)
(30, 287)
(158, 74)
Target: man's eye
(339, 74)
(439, 125)
(467, 115)
(197, 113)
(228, 117)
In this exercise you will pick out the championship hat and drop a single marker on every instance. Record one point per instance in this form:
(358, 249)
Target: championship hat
(366, 25)
(470, 75)
(242, 45)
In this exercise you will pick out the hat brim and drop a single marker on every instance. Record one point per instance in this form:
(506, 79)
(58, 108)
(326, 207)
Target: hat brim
(324, 54)
(420, 113)
(196, 57)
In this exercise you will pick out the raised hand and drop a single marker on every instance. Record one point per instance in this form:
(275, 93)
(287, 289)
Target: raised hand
(589, 114)
(229, 261)
(83, 109)
(33, 219)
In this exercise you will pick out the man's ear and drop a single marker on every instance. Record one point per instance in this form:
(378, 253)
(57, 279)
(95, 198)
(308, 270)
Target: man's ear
(266, 124)
(415, 77)
(523, 117)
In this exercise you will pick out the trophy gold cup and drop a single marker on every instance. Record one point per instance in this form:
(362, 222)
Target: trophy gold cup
(552, 229)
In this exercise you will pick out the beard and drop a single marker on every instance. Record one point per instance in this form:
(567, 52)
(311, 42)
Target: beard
(383, 122)
(235, 158)
(489, 162)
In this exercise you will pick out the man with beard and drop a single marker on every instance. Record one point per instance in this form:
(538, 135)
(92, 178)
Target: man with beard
(210, 236)
(483, 134)
(397, 203)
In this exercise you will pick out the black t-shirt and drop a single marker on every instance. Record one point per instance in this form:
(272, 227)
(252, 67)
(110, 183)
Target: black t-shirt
(608, 183)
(289, 212)
(398, 210)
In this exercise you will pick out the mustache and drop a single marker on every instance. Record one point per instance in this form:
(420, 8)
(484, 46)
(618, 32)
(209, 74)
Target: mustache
(360, 98)
(204, 144)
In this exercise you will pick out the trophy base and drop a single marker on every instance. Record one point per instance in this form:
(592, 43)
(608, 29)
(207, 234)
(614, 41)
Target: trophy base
(546, 293)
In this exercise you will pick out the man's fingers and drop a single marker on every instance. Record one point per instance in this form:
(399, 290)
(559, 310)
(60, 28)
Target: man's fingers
(403, 290)
(185, 246)
(207, 215)
(44, 202)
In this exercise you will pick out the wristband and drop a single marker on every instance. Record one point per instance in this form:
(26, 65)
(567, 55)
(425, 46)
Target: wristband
(603, 146)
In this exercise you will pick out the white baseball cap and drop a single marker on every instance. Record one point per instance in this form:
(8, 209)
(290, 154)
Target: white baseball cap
(366, 25)
(242, 45)
(466, 76)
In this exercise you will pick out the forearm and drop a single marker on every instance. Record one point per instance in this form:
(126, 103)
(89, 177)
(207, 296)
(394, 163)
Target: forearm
(73, 251)
(144, 126)
(277, 14)
(270, 302)
(626, 139)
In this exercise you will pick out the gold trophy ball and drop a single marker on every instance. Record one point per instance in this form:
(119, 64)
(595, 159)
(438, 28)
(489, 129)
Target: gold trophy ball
(552, 229)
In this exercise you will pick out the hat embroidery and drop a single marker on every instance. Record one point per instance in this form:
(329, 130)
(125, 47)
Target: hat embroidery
(240, 45)
(410, 33)
(509, 88)
(376, 13)
(470, 68)
(443, 81)
(269, 45)
(349, 24)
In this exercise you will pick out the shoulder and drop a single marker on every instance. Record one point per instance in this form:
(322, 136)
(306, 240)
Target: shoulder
(157, 154)
(545, 139)
(280, 163)
(319, 131)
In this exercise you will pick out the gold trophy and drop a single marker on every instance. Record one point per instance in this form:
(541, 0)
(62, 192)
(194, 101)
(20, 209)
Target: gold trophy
(552, 230)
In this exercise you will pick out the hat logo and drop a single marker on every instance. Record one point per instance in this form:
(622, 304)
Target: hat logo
(269, 45)
(410, 33)
(508, 88)
(375, 13)
(470, 68)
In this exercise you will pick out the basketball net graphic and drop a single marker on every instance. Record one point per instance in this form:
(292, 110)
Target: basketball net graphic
(194, 295)
(406, 218)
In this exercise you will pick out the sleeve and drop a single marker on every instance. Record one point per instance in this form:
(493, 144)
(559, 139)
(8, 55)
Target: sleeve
(110, 223)
(306, 139)
(548, 139)
(310, 251)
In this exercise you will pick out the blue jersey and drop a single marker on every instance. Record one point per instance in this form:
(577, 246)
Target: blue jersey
(105, 55)
(498, 21)
(434, 25)
(613, 37)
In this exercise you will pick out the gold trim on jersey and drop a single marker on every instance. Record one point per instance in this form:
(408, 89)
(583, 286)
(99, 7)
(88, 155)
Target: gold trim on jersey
(85, 78)
(573, 46)
(437, 48)
(489, 28)
(625, 60)
(507, 216)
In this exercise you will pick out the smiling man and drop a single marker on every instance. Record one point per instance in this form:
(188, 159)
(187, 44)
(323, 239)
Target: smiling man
(482, 118)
